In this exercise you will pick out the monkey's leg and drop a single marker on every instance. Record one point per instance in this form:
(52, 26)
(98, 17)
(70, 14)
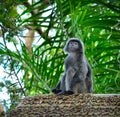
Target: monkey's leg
(57, 89)
(65, 93)
(78, 84)
(88, 80)
(89, 84)
(69, 76)
(83, 87)
(60, 87)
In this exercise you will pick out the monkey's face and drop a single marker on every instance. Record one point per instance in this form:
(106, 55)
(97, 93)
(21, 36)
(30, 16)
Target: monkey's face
(73, 46)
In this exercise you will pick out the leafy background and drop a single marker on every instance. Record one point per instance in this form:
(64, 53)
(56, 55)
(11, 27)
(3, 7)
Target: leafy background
(96, 23)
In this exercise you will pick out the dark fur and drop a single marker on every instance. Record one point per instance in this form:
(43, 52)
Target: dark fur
(77, 76)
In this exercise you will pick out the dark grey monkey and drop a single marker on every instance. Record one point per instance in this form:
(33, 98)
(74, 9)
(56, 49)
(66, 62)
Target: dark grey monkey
(77, 77)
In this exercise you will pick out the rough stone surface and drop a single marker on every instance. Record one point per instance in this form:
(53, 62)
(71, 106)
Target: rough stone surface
(77, 105)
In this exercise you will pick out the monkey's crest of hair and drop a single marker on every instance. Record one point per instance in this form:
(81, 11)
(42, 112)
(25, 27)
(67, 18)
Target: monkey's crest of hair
(76, 40)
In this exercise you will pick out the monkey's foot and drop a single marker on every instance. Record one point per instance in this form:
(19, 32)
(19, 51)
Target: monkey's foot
(66, 93)
(56, 91)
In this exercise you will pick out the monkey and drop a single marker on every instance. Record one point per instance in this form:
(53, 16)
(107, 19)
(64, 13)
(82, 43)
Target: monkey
(77, 76)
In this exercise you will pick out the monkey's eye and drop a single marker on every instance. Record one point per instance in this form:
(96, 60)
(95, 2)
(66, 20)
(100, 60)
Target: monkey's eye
(71, 43)
(76, 43)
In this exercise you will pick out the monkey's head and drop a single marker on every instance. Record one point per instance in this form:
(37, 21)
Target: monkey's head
(74, 45)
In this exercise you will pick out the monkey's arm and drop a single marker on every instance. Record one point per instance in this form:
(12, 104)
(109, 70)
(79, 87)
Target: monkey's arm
(89, 82)
(70, 72)
(60, 86)
(57, 89)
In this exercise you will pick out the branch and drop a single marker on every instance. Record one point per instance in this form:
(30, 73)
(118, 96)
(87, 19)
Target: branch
(39, 30)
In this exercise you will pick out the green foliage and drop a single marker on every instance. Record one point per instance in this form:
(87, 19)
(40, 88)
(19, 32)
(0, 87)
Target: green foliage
(97, 23)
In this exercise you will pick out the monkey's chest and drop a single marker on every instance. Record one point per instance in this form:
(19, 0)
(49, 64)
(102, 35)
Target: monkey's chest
(79, 65)
(72, 63)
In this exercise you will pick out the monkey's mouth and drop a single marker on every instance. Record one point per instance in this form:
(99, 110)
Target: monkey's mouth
(73, 49)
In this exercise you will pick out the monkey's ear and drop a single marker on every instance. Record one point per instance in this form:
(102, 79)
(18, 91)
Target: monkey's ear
(66, 46)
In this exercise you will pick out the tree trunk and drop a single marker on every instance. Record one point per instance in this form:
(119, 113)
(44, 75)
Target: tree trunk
(80, 105)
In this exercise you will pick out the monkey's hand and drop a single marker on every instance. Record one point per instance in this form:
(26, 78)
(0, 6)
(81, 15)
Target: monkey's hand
(56, 91)
(66, 93)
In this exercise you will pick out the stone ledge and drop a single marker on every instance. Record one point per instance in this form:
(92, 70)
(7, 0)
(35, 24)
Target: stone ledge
(77, 105)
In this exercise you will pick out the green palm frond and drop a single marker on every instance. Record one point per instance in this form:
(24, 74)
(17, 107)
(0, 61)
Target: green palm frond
(96, 23)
